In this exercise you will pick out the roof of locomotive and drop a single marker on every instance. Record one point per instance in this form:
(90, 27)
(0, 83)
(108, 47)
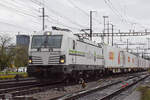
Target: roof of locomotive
(68, 34)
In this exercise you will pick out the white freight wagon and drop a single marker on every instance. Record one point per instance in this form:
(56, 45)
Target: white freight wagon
(113, 57)
(131, 60)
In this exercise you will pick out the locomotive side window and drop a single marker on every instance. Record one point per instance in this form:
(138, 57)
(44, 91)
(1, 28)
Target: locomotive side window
(74, 44)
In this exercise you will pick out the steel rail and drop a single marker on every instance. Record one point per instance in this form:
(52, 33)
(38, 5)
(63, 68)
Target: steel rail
(28, 89)
(83, 93)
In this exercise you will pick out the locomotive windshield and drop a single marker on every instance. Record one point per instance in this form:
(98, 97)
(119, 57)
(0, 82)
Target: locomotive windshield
(46, 41)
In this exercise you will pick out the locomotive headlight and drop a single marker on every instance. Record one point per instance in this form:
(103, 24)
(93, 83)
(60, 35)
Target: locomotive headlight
(30, 61)
(62, 59)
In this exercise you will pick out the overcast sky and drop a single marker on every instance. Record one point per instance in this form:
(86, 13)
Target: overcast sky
(24, 15)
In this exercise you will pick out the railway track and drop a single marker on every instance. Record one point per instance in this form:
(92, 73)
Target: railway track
(103, 92)
(119, 90)
(32, 86)
(14, 80)
(14, 83)
(28, 89)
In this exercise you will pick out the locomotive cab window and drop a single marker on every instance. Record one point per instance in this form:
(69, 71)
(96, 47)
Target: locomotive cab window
(43, 41)
(54, 41)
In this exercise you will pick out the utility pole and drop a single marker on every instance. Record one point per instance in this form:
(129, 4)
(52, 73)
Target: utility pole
(120, 36)
(148, 43)
(43, 10)
(104, 28)
(91, 25)
(91, 30)
(127, 45)
(108, 31)
(112, 34)
(43, 18)
(137, 51)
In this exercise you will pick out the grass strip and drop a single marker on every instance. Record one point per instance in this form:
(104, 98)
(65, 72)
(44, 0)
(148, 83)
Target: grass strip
(145, 92)
(6, 73)
(3, 77)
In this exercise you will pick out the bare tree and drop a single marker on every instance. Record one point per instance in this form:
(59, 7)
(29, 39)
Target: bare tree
(10, 54)
(5, 41)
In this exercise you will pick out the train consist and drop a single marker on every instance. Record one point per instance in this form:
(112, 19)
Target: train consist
(60, 55)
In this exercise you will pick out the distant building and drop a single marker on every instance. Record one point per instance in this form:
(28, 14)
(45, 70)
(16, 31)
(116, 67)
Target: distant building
(22, 40)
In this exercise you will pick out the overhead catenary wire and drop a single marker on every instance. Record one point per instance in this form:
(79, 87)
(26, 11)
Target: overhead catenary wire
(57, 13)
(20, 12)
(30, 7)
(124, 18)
(60, 23)
(9, 6)
(37, 2)
(115, 11)
(13, 25)
(35, 14)
(66, 18)
(87, 14)
(72, 3)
